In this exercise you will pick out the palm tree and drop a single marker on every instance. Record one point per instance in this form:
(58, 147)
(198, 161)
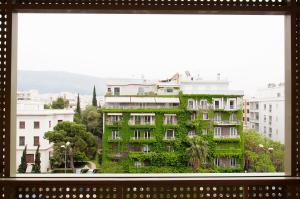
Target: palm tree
(198, 151)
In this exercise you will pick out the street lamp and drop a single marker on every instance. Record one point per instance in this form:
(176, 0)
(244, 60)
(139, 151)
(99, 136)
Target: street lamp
(65, 147)
(270, 150)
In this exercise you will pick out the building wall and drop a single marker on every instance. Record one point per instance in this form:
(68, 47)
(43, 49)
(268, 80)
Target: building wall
(274, 97)
(43, 117)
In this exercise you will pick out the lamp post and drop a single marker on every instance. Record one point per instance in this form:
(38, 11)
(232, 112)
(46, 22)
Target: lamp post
(65, 147)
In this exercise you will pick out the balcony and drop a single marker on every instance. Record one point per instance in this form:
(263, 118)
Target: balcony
(113, 123)
(116, 139)
(226, 136)
(118, 156)
(227, 122)
(142, 140)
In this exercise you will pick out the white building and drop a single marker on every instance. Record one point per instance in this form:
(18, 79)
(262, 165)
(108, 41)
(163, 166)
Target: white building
(267, 112)
(33, 121)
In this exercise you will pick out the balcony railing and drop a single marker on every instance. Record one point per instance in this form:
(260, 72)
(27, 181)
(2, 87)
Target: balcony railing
(131, 122)
(227, 122)
(108, 122)
(169, 138)
(226, 136)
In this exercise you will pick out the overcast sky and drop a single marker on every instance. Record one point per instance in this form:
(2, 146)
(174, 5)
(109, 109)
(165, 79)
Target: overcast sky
(247, 50)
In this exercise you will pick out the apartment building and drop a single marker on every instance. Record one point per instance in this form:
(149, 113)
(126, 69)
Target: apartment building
(33, 121)
(246, 113)
(151, 128)
(267, 112)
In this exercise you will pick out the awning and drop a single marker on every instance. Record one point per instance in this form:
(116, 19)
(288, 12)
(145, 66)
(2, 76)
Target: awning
(114, 113)
(142, 114)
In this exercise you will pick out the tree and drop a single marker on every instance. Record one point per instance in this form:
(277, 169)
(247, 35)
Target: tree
(36, 168)
(82, 143)
(94, 102)
(93, 120)
(78, 110)
(198, 151)
(261, 159)
(77, 115)
(23, 165)
(60, 103)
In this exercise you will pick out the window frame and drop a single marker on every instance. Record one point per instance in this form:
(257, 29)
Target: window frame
(291, 11)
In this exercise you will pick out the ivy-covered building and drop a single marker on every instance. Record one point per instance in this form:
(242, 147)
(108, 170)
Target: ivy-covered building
(147, 125)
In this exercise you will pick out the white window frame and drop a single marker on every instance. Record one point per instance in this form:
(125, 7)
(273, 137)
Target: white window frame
(217, 131)
(234, 103)
(205, 118)
(204, 131)
(217, 117)
(173, 132)
(193, 104)
(220, 103)
(147, 134)
(115, 134)
(232, 131)
(137, 134)
(232, 162)
(217, 162)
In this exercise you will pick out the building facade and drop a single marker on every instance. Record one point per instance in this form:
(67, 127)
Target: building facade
(33, 121)
(267, 112)
(149, 132)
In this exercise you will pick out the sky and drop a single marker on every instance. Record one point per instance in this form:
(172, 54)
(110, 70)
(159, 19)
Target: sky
(247, 50)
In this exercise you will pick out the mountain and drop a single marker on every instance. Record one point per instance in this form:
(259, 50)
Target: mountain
(58, 81)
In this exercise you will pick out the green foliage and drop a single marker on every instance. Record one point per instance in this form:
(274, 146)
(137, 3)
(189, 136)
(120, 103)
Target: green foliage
(198, 151)
(36, 168)
(60, 103)
(23, 165)
(94, 101)
(47, 106)
(260, 159)
(172, 155)
(92, 118)
(78, 109)
(82, 143)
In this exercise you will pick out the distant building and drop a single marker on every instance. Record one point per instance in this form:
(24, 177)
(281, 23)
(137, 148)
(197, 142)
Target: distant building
(33, 121)
(267, 112)
(146, 121)
(246, 113)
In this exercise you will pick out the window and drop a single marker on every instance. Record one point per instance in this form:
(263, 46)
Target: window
(193, 116)
(217, 104)
(170, 134)
(146, 148)
(257, 106)
(278, 94)
(137, 119)
(232, 104)
(265, 130)
(233, 132)
(270, 108)
(115, 134)
(36, 140)
(49, 124)
(191, 104)
(232, 117)
(217, 131)
(232, 162)
(117, 91)
(21, 125)
(36, 125)
(217, 117)
(204, 131)
(270, 132)
(29, 158)
(147, 134)
(109, 90)
(170, 119)
(169, 90)
(270, 120)
(137, 134)
(265, 118)
(21, 140)
(170, 148)
(217, 162)
(192, 133)
(59, 121)
(147, 119)
(265, 107)
(205, 116)
(203, 104)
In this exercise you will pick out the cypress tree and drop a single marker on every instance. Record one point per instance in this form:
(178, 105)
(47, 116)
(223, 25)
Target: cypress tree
(36, 168)
(23, 166)
(94, 103)
(78, 110)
